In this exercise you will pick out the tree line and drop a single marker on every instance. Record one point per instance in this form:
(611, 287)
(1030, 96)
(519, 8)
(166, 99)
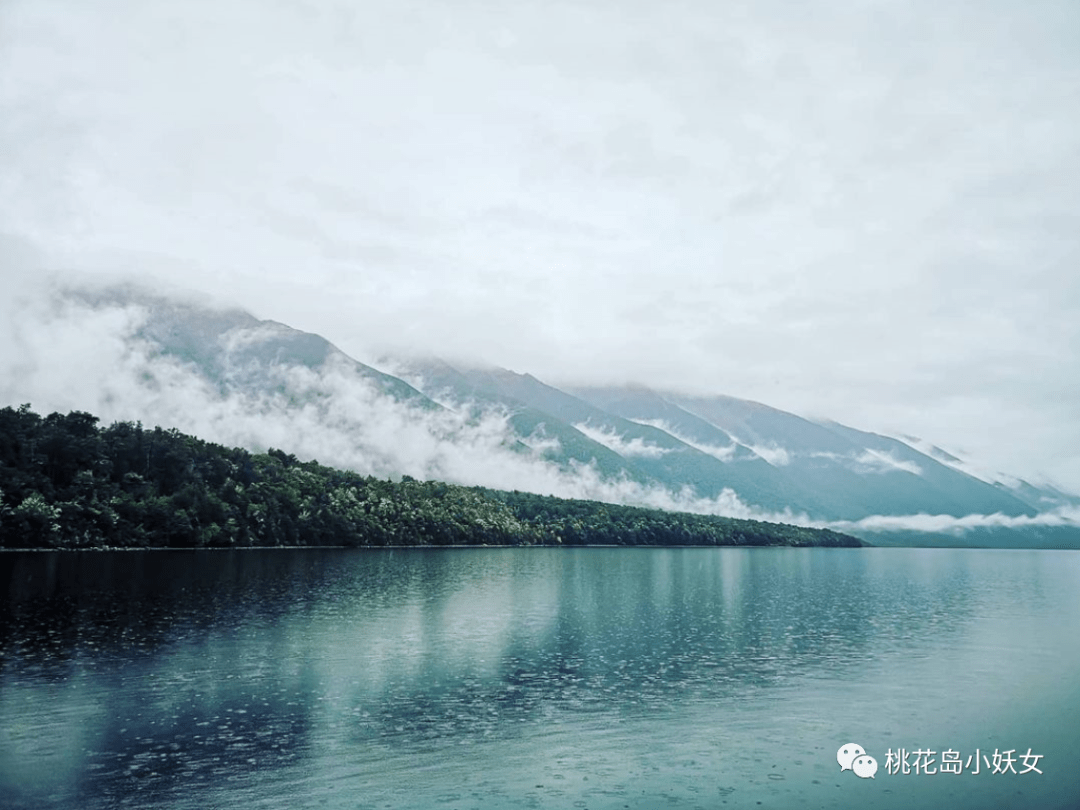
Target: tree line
(66, 482)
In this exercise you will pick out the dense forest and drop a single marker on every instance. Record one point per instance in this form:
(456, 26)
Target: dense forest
(65, 482)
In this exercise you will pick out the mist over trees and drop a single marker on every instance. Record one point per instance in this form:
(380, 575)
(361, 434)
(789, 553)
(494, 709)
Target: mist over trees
(66, 482)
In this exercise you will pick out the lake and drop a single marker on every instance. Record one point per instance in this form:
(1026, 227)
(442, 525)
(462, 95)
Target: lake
(601, 678)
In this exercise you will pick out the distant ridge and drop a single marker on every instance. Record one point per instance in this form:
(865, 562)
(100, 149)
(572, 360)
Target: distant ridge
(270, 384)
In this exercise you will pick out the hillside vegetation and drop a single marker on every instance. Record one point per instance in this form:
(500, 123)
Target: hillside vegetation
(66, 482)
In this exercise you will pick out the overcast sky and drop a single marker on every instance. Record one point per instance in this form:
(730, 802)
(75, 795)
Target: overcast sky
(863, 210)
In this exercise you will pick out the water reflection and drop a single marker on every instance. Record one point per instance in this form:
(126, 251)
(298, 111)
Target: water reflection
(171, 678)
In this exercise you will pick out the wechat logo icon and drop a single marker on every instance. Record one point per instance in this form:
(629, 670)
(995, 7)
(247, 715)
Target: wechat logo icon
(853, 757)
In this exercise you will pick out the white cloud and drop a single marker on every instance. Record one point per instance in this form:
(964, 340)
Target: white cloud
(949, 524)
(880, 461)
(237, 339)
(723, 453)
(628, 448)
(540, 443)
(960, 464)
(871, 461)
(772, 453)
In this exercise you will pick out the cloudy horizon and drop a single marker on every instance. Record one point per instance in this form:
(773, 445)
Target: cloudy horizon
(866, 212)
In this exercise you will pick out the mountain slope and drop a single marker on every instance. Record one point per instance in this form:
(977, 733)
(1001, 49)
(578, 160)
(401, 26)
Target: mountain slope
(747, 472)
(960, 493)
(236, 379)
(655, 452)
(234, 350)
(554, 439)
(876, 475)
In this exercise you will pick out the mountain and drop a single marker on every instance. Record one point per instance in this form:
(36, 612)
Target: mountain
(553, 439)
(649, 453)
(234, 350)
(235, 379)
(1042, 497)
(776, 461)
(704, 459)
(872, 474)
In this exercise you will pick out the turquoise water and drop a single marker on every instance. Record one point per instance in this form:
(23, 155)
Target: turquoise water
(535, 678)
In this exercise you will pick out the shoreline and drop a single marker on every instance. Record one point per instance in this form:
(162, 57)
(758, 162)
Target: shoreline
(395, 547)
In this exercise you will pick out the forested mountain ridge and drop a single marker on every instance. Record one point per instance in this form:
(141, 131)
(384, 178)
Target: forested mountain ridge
(232, 378)
(65, 482)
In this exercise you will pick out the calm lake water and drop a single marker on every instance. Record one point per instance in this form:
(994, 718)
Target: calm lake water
(536, 678)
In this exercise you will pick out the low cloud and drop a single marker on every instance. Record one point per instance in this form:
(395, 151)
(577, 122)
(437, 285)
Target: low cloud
(721, 452)
(772, 453)
(960, 464)
(872, 461)
(541, 444)
(879, 461)
(949, 524)
(615, 442)
(237, 339)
